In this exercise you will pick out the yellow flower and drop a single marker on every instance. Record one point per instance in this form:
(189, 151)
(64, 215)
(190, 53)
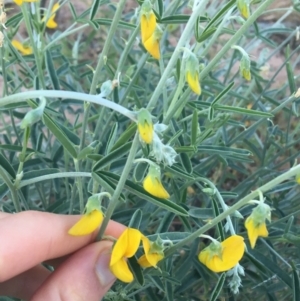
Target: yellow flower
(24, 49)
(256, 223)
(152, 46)
(20, 2)
(298, 176)
(148, 25)
(145, 126)
(193, 82)
(192, 73)
(246, 74)
(87, 224)
(243, 7)
(153, 185)
(51, 23)
(220, 257)
(91, 219)
(125, 247)
(153, 253)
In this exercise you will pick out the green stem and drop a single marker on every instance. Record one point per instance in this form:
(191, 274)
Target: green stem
(216, 60)
(36, 52)
(55, 176)
(5, 177)
(66, 33)
(67, 94)
(79, 187)
(103, 56)
(115, 197)
(264, 188)
(221, 201)
(185, 36)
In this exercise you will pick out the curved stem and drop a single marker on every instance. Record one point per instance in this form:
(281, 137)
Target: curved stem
(54, 176)
(68, 94)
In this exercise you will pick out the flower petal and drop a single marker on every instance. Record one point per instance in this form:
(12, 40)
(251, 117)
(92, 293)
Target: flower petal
(252, 231)
(148, 25)
(126, 245)
(152, 46)
(154, 186)
(121, 270)
(193, 82)
(233, 251)
(87, 224)
(146, 132)
(25, 50)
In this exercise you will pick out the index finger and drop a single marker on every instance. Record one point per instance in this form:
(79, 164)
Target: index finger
(30, 237)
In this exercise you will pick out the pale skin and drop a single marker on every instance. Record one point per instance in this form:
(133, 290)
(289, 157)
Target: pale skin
(81, 266)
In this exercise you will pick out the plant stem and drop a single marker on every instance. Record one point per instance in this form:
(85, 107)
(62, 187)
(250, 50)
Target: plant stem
(264, 188)
(79, 187)
(67, 94)
(34, 43)
(103, 56)
(115, 197)
(54, 176)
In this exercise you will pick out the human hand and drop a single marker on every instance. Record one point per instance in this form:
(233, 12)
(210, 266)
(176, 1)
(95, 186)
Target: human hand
(81, 265)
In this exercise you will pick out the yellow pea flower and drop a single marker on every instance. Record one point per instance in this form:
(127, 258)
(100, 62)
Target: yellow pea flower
(51, 23)
(243, 7)
(246, 74)
(153, 253)
(87, 224)
(91, 219)
(256, 223)
(125, 247)
(145, 126)
(192, 73)
(24, 49)
(193, 82)
(153, 185)
(148, 21)
(20, 2)
(220, 257)
(152, 43)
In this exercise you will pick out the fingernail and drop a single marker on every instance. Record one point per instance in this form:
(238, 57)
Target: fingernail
(102, 270)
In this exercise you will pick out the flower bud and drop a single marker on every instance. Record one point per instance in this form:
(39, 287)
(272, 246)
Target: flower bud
(152, 183)
(148, 21)
(245, 67)
(243, 7)
(192, 73)
(34, 115)
(145, 125)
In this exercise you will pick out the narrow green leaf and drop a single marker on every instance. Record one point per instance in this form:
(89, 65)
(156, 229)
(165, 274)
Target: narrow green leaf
(289, 71)
(222, 94)
(194, 129)
(73, 11)
(6, 165)
(51, 71)
(296, 285)
(206, 34)
(136, 219)
(243, 111)
(179, 19)
(114, 155)
(211, 112)
(186, 163)
(121, 24)
(111, 138)
(126, 135)
(94, 9)
(267, 263)
(136, 270)
(218, 288)
(160, 4)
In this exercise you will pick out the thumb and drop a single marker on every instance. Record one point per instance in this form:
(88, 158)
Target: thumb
(83, 276)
